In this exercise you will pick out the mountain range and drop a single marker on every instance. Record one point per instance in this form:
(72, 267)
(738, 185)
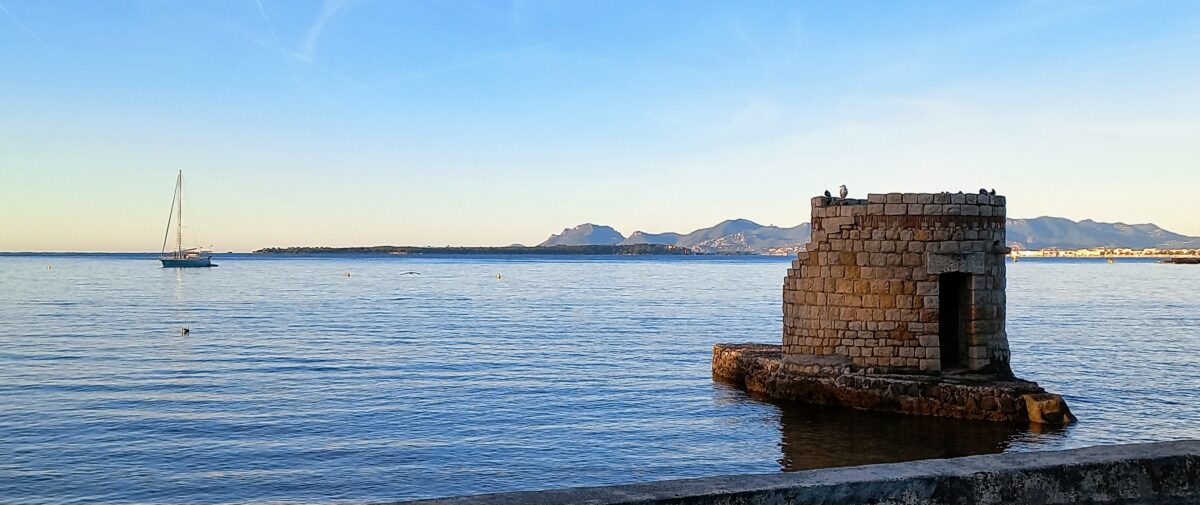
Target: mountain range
(742, 236)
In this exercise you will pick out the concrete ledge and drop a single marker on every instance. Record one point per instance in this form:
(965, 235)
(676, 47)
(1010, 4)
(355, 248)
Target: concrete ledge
(1158, 473)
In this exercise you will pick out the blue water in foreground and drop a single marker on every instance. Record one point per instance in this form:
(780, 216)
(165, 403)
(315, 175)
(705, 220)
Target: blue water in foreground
(299, 383)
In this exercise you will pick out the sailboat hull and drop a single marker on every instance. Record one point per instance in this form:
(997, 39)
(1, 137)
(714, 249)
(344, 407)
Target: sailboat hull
(203, 261)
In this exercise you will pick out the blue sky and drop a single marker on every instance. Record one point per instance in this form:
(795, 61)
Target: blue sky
(486, 123)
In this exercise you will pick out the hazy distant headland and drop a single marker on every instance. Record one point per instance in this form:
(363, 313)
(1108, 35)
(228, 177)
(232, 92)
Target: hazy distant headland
(591, 249)
(742, 236)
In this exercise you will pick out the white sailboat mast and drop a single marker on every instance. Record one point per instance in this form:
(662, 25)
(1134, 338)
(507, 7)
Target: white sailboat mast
(179, 216)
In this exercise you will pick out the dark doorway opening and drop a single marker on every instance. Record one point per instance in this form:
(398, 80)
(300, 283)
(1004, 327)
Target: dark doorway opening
(952, 305)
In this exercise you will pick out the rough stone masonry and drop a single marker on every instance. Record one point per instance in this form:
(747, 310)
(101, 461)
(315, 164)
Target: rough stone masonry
(897, 304)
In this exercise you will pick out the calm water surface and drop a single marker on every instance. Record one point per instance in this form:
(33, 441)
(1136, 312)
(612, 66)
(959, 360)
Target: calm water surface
(300, 383)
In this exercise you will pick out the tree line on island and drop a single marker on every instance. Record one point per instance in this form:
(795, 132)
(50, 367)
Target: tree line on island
(742, 236)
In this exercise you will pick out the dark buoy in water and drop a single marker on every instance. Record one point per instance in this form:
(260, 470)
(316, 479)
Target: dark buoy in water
(185, 331)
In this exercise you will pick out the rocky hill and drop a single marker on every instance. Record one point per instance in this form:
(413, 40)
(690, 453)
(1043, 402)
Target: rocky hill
(742, 236)
(585, 234)
(1044, 232)
(641, 237)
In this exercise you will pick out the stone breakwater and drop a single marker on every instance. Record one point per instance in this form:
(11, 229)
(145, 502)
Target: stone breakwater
(763, 369)
(1165, 473)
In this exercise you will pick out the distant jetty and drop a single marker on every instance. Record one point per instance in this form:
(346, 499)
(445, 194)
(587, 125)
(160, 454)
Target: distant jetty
(1182, 261)
(578, 250)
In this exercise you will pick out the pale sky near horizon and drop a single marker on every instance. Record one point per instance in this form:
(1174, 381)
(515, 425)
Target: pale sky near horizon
(486, 123)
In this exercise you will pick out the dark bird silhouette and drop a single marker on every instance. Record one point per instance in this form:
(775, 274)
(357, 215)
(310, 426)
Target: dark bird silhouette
(828, 197)
(982, 191)
(992, 192)
(828, 194)
(185, 331)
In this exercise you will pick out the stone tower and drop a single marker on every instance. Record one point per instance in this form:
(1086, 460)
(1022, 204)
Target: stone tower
(899, 283)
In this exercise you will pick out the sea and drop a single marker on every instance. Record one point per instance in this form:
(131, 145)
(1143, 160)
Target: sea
(363, 379)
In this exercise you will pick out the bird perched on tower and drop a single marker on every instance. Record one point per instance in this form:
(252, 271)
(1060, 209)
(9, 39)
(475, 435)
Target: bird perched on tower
(842, 191)
(828, 197)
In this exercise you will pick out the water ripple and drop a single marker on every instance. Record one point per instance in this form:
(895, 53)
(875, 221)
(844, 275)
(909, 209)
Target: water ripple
(300, 384)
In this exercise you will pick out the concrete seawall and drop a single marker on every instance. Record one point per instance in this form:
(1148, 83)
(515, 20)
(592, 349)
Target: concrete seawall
(1158, 473)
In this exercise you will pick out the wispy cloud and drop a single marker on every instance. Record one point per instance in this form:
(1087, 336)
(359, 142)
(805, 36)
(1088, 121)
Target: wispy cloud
(22, 25)
(271, 27)
(328, 11)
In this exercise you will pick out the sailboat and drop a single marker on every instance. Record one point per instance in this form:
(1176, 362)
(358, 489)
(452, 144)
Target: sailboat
(180, 257)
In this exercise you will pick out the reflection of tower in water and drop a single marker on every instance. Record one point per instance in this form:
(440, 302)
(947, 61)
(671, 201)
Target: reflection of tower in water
(821, 437)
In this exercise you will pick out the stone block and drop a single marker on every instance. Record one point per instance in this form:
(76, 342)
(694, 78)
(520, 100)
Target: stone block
(1047, 408)
(895, 209)
(876, 198)
(894, 198)
(958, 198)
(925, 198)
(914, 209)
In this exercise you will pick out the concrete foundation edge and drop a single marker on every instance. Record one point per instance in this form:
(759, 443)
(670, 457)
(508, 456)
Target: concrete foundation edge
(1155, 473)
(765, 370)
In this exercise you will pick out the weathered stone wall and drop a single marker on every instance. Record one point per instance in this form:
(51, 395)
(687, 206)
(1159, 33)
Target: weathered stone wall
(1164, 473)
(867, 290)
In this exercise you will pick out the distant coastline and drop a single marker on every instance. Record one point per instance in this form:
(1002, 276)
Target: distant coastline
(601, 250)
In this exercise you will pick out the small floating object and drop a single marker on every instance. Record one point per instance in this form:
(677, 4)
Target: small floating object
(347, 274)
(185, 331)
(498, 276)
(1112, 260)
(410, 273)
(49, 267)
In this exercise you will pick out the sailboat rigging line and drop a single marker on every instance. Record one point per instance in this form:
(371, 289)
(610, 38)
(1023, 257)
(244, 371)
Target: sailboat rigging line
(167, 232)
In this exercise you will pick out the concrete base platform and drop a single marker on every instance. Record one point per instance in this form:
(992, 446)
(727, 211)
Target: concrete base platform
(763, 369)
